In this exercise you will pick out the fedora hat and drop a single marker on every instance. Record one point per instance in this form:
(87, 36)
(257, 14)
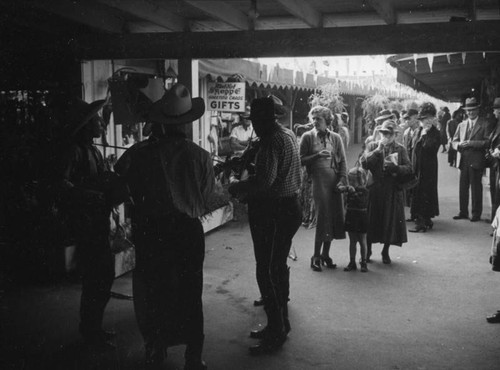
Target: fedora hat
(427, 109)
(279, 108)
(409, 113)
(388, 126)
(471, 103)
(176, 107)
(496, 103)
(79, 113)
(384, 114)
(262, 109)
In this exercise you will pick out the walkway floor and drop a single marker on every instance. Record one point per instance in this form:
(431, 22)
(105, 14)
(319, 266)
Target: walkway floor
(425, 311)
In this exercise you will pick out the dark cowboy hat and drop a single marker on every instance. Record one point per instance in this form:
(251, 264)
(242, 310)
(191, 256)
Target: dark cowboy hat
(496, 103)
(409, 113)
(384, 114)
(79, 113)
(389, 126)
(176, 107)
(471, 104)
(427, 109)
(262, 109)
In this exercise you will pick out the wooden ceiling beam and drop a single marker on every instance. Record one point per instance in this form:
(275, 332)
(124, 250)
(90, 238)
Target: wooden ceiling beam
(303, 11)
(385, 9)
(222, 11)
(151, 12)
(87, 13)
(388, 39)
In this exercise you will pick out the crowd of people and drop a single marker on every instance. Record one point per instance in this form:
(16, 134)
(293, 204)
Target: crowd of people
(296, 177)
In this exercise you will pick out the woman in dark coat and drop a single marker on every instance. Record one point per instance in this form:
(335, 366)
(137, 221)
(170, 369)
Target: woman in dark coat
(425, 204)
(386, 160)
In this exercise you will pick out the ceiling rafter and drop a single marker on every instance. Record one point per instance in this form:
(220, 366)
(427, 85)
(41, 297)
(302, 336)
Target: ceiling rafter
(87, 13)
(385, 10)
(222, 11)
(151, 12)
(303, 11)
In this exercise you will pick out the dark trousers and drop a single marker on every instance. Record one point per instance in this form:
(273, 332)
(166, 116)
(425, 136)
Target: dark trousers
(471, 178)
(168, 282)
(97, 268)
(452, 156)
(273, 223)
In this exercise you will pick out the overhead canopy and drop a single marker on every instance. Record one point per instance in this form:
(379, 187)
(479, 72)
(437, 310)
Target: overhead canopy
(277, 77)
(450, 77)
(126, 29)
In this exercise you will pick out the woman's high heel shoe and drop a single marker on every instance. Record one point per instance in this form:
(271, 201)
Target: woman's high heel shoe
(327, 261)
(316, 263)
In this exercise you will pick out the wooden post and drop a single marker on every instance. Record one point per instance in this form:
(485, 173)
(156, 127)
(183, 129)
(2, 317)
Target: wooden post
(188, 76)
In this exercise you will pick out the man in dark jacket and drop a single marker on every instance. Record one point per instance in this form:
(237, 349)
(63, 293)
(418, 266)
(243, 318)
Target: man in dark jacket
(89, 210)
(170, 180)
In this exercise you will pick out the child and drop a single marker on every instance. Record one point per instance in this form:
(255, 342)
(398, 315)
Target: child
(356, 219)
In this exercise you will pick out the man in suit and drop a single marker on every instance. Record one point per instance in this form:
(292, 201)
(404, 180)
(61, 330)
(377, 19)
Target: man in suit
(471, 140)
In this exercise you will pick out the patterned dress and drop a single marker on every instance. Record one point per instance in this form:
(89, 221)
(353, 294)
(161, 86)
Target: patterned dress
(326, 173)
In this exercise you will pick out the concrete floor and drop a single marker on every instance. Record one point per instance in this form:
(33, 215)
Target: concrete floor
(425, 311)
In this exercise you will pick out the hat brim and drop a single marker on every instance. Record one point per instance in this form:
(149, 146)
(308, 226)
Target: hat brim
(156, 114)
(93, 109)
(471, 107)
(379, 118)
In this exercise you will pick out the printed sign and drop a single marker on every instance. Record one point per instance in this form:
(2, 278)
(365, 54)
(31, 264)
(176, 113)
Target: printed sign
(226, 96)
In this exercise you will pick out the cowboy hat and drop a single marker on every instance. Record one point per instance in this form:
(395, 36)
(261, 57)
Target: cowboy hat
(388, 126)
(279, 108)
(496, 103)
(262, 109)
(79, 113)
(384, 114)
(176, 107)
(427, 109)
(471, 104)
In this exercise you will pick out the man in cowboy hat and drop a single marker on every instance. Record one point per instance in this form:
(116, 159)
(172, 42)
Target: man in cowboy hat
(471, 140)
(170, 180)
(89, 211)
(274, 215)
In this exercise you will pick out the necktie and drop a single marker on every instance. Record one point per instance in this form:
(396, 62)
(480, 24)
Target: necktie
(469, 130)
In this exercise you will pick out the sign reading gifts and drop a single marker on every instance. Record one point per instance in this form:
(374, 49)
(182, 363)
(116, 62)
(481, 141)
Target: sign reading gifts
(226, 96)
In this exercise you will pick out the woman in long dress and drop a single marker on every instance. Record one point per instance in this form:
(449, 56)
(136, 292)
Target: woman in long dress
(322, 152)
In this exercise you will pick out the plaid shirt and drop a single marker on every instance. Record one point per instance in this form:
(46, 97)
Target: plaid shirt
(277, 165)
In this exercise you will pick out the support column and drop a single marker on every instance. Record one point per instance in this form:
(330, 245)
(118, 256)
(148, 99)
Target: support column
(188, 76)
